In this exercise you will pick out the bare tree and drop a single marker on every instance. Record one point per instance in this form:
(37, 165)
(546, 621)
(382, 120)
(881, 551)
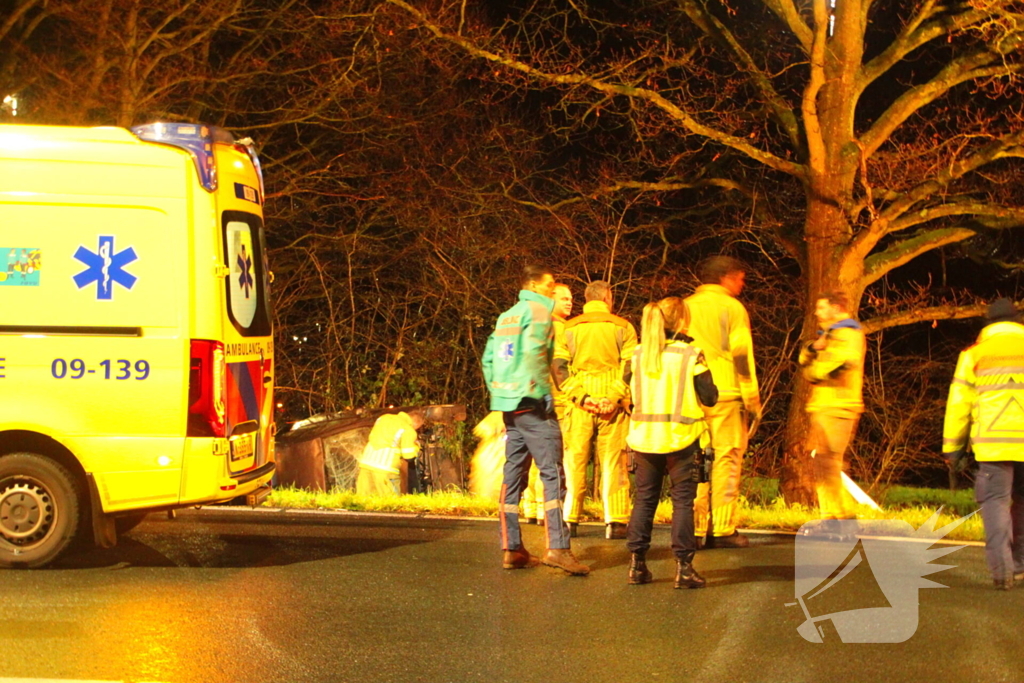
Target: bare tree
(897, 124)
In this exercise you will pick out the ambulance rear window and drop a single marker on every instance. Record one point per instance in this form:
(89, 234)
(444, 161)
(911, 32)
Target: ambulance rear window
(248, 290)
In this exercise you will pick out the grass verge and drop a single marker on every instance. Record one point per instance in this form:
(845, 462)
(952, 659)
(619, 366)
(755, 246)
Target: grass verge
(757, 511)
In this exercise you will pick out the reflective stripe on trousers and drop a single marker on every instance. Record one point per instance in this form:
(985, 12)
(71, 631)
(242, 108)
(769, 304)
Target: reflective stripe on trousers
(533, 433)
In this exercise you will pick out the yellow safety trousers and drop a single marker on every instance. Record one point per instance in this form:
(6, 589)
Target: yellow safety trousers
(830, 434)
(611, 444)
(374, 482)
(728, 428)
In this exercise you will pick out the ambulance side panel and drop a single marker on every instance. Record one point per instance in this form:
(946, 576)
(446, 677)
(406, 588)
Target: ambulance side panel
(95, 346)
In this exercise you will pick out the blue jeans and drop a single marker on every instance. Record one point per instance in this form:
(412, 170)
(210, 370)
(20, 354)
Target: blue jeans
(533, 429)
(651, 469)
(999, 490)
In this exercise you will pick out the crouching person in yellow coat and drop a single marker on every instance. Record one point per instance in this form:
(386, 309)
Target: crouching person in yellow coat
(485, 471)
(392, 439)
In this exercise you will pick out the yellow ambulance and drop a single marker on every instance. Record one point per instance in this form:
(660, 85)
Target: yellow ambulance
(136, 350)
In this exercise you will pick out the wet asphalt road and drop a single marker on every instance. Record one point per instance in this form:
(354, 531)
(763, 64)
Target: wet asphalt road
(222, 595)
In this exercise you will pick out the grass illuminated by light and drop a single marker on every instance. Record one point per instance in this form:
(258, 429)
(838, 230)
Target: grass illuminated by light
(914, 506)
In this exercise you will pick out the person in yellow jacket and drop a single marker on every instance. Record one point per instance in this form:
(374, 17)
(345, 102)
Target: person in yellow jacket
(592, 362)
(720, 325)
(985, 412)
(533, 494)
(488, 464)
(834, 365)
(392, 439)
(670, 383)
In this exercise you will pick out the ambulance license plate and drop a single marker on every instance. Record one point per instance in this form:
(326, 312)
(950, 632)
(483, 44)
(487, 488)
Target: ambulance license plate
(243, 446)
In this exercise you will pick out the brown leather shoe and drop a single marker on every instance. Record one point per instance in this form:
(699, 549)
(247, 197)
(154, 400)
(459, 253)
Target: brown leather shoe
(734, 540)
(562, 558)
(687, 576)
(1004, 584)
(519, 558)
(615, 530)
(638, 571)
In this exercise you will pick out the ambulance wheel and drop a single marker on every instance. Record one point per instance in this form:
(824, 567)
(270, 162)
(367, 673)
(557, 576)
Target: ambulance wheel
(39, 510)
(128, 522)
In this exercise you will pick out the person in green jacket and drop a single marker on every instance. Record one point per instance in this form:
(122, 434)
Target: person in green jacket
(517, 369)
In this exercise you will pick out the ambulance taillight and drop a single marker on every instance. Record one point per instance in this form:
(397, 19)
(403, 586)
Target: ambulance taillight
(207, 389)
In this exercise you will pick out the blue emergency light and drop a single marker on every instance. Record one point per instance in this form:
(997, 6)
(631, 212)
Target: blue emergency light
(196, 139)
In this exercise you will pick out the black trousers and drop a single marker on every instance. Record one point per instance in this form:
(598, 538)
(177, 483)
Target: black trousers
(651, 469)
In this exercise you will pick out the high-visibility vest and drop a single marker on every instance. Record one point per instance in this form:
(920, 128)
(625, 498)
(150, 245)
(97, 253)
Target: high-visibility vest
(986, 398)
(666, 415)
(391, 439)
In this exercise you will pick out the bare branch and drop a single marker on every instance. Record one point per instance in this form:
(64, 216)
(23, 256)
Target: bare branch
(878, 265)
(812, 124)
(945, 312)
(1015, 214)
(787, 11)
(995, 150)
(917, 33)
(966, 68)
(656, 99)
(714, 28)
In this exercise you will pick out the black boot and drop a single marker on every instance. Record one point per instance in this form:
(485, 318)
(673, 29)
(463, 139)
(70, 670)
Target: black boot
(687, 576)
(638, 571)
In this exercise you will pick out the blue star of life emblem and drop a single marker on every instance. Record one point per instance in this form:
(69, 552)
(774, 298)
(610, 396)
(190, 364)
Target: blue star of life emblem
(105, 267)
(506, 350)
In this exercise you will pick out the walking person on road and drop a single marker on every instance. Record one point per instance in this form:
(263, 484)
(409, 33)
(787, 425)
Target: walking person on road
(670, 383)
(720, 326)
(985, 412)
(517, 369)
(834, 365)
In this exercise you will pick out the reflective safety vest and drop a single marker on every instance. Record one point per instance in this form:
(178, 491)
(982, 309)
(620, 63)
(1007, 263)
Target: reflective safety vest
(986, 398)
(391, 439)
(666, 414)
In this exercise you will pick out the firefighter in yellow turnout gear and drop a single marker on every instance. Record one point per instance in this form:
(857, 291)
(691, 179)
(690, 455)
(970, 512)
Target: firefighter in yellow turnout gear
(392, 439)
(533, 494)
(720, 326)
(834, 365)
(986, 411)
(592, 362)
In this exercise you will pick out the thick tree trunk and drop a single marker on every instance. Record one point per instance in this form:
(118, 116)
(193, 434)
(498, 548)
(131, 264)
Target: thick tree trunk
(829, 267)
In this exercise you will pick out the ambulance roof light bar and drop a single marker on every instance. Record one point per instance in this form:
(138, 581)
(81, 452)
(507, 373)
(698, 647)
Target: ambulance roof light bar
(194, 138)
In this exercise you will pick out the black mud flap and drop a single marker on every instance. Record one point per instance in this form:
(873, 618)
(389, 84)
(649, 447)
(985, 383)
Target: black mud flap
(104, 532)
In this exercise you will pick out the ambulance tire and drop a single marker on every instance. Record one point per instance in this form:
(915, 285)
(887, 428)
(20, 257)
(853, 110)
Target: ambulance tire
(125, 524)
(39, 510)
